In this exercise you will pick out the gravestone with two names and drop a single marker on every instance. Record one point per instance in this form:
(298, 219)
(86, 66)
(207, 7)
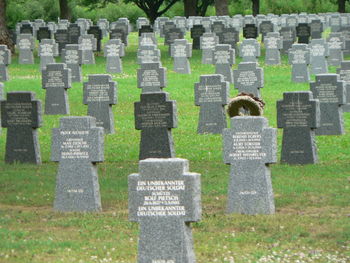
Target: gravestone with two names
(250, 31)
(273, 44)
(88, 44)
(249, 50)
(62, 39)
(148, 54)
(97, 32)
(336, 44)
(197, 32)
(303, 32)
(289, 36)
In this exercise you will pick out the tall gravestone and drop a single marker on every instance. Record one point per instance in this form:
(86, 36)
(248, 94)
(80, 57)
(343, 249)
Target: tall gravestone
(100, 93)
(74, 33)
(318, 56)
(330, 91)
(155, 115)
(336, 45)
(344, 74)
(151, 77)
(77, 145)
(88, 44)
(56, 79)
(298, 114)
(72, 57)
(62, 39)
(5, 60)
(113, 51)
(181, 50)
(299, 58)
(223, 59)
(197, 32)
(211, 94)
(249, 78)
(249, 50)
(208, 41)
(273, 45)
(164, 197)
(97, 32)
(21, 115)
(48, 50)
(249, 146)
(26, 45)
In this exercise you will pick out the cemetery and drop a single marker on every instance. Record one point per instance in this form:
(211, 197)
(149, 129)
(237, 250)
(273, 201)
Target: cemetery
(200, 139)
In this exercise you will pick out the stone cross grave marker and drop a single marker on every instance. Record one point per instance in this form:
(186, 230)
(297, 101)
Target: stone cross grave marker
(249, 50)
(155, 115)
(316, 28)
(100, 93)
(249, 146)
(56, 79)
(72, 56)
(197, 32)
(145, 29)
(43, 33)
(250, 31)
(147, 39)
(217, 27)
(151, 77)
(118, 33)
(336, 44)
(77, 145)
(26, 45)
(5, 60)
(208, 41)
(164, 197)
(171, 35)
(74, 33)
(48, 50)
(104, 25)
(121, 30)
(211, 94)
(62, 39)
(148, 54)
(288, 36)
(318, 56)
(223, 59)
(298, 114)
(142, 21)
(335, 22)
(303, 33)
(21, 115)
(181, 50)
(330, 91)
(299, 58)
(265, 27)
(273, 44)
(344, 73)
(249, 78)
(113, 51)
(97, 32)
(230, 36)
(88, 44)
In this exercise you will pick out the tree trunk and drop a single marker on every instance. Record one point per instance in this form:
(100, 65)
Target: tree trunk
(221, 7)
(255, 7)
(65, 12)
(341, 6)
(190, 7)
(5, 38)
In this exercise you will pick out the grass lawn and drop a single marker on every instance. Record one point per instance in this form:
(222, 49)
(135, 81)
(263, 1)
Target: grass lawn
(312, 220)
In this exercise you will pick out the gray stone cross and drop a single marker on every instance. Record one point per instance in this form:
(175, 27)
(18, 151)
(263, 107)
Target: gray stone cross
(299, 58)
(73, 57)
(223, 59)
(151, 77)
(249, 78)
(181, 50)
(113, 51)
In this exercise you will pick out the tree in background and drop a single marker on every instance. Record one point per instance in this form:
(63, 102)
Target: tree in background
(5, 38)
(255, 7)
(221, 7)
(341, 6)
(65, 11)
(196, 7)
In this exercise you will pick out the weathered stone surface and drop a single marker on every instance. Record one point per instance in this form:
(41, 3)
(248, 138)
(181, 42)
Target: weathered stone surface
(303, 33)
(77, 145)
(62, 39)
(336, 44)
(197, 32)
(208, 41)
(273, 44)
(97, 32)
(88, 44)
(148, 54)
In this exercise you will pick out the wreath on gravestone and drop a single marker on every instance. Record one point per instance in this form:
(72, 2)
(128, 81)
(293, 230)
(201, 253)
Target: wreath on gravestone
(245, 104)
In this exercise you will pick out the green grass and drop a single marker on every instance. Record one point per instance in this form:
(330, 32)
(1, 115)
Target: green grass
(311, 223)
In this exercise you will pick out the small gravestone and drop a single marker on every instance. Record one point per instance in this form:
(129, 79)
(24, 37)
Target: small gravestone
(181, 50)
(21, 115)
(26, 45)
(97, 32)
(249, 50)
(289, 36)
(316, 28)
(208, 41)
(265, 27)
(164, 197)
(48, 50)
(113, 51)
(303, 32)
(88, 44)
(5, 60)
(148, 54)
(223, 59)
(56, 79)
(249, 78)
(77, 145)
(249, 146)
(72, 56)
(330, 91)
(211, 94)
(273, 44)
(344, 73)
(100, 93)
(318, 56)
(197, 32)
(250, 31)
(155, 115)
(62, 39)
(43, 33)
(299, 115)
(336, 44)
(299, 58)
(151, 77)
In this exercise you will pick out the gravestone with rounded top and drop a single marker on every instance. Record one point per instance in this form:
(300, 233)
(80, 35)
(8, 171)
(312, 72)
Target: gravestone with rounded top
(249, 50)
(100, 93)
(151, 77)
(5, 60)
(113, 51)
(223, 59)
(56, 79)
(211, 94)
(344, 74)
(77, 145)
(21, 115)
(26, 45)
(164, 197)
(72, 57)
(181, 50)
(155, 115)
(273, 44)
(88, 44)
(330, 91)
(298, 114)
(299, 58)
(208, 41)
(249, 146)
(318, 56)
(48, 50)
(249, 78)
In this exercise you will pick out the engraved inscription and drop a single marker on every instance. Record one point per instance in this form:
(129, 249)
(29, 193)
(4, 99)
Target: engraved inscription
(247, 146)
(97, 92)
(19, 113)
(209, 93)
(154, 115)
(76, 146)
